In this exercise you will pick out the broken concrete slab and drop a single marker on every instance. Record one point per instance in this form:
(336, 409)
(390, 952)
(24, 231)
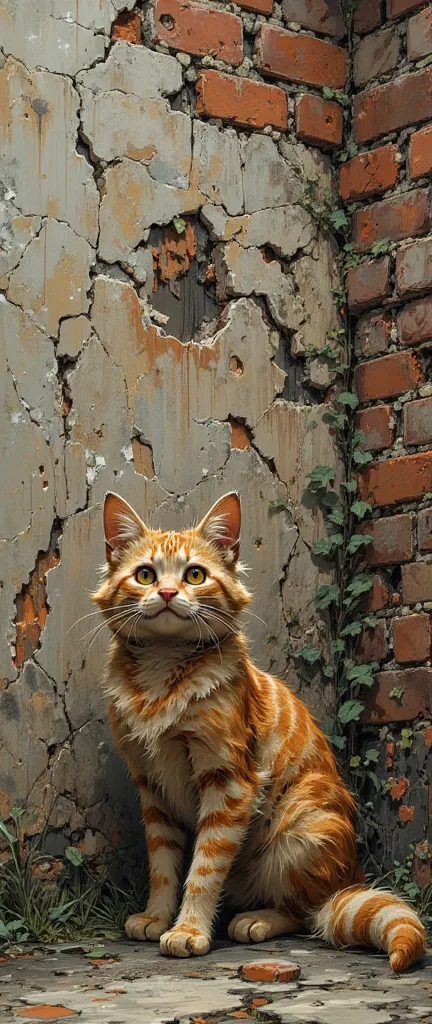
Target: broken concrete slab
(216, 165)
(134, 70)
(278, 186)
(74, 331)
(285, 229)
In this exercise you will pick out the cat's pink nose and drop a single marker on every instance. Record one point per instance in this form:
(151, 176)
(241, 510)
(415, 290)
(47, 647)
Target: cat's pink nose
(167, 594)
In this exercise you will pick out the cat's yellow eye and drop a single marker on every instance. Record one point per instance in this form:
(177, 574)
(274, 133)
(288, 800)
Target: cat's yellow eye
(195, 575)
(145, 575)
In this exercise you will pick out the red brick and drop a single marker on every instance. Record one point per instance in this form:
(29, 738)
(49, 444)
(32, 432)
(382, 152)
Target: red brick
(373, 334)
(127, 26)
(259, 6)
(397, 7)
(321, 16)
(417, 582)
(200, 30)
(383, 378)
(420, 35)
(370, 173)
(240, 101)
(412, 638)
(414, 267)
(319, 122)
(396, 218)
(395, 105)
(418, 422)
(392, 540)
(367, 16)
(299, 58)
(379, 597)
(273, 970)
(425, 530)
(375, 423)
(420, 152)
(375, 55)
(414, 323)
(416, 699)
(372, 644)
(368, 284)
(403, 479)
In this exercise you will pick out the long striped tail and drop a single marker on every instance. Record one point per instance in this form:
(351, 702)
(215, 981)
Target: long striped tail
(370, 917)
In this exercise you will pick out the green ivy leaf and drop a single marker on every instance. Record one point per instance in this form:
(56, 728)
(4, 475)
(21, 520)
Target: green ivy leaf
(361, 458)
(179, 225)
(337, 517)
(337, 646)
(327, 545)
(338, 741)
(372, 756)
(361, 508)
(309, 654)
(352, 629)
(359, 437)
(337, 420)
(406, 739)
(350, 711)
(376, 782)
(350, 486)
(320, 478)
(357, 541)
(326, 595)
(339, 219)
(355, 761)
(362, 673)
(328, 670)
(360, 584)
(348, 398)
(397, 692)
(74, 856)
(329, 499)
(370, 621)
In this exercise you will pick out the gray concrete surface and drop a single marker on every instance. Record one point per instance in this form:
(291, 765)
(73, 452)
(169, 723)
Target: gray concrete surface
(135, 985)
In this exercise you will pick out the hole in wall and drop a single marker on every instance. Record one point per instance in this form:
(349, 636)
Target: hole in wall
(236, 366)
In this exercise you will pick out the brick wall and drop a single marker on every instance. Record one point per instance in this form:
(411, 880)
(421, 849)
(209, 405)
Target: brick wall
(387, 186)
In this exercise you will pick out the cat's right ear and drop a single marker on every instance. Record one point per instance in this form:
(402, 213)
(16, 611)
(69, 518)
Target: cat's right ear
(121, 524)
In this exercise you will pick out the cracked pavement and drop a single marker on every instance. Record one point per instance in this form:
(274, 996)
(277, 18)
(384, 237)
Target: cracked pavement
(130, 983)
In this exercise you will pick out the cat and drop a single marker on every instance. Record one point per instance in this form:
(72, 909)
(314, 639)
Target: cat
(225, 751)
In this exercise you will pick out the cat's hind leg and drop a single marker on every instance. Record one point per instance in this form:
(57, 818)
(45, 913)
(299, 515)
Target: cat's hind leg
(259, 925)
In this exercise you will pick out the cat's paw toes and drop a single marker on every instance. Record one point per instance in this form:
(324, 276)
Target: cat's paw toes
(144, 927)
(249, 927)
(184, 941)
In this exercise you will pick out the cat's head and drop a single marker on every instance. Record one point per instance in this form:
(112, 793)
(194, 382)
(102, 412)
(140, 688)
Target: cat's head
(182, 586)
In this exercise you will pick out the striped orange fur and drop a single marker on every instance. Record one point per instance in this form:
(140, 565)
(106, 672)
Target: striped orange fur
(223, 750)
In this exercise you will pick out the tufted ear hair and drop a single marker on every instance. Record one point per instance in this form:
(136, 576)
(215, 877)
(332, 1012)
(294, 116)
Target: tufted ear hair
(121, 524)
(221, 525)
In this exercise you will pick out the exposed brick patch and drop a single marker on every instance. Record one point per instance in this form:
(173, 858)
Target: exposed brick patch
(199, 30)
(414, 323)
(372, 644)
(375, 55)
(375, 424)
(299, 58)
(373, 334)
(320, 16)
(369, 174)
(274, 970)
(392, 106)
(392, 540)
(417, 582)
(396, 218)
(420, 152)
(143, 458)
(418, 422)
(388, 376)
(367, 16)
(379, 597)
(412, 638)
(416, 684)
(414, 267)
(127, 26)
(420, 35)
(258, 6)
(397, 7)
(239, 435)
(405, 479)
(368, 284)
(319, 122)
(240, 101)
(32, 604)
(425, 530)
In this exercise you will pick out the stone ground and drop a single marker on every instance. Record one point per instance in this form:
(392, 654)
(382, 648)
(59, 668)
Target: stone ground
(126, 983)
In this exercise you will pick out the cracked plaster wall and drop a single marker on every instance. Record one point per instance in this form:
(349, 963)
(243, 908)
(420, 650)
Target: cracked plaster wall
(167, 366)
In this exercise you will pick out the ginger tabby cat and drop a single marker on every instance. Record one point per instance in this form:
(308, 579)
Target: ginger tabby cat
(226, 751)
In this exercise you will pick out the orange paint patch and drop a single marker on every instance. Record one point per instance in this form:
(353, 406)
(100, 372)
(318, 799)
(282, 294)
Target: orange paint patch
(103, 999)
(428, 736)
(398, 790)
(175, 255)
(406, 813)
(260, 1002)
(32, 607)
(45, 1012)
(390, 753)
(99, 962)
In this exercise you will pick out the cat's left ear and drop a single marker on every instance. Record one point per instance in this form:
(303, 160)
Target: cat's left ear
(121, 524)
(221, 525)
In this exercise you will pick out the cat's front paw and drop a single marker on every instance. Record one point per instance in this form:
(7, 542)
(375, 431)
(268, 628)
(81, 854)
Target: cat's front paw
(145, 928)
(184, 940)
